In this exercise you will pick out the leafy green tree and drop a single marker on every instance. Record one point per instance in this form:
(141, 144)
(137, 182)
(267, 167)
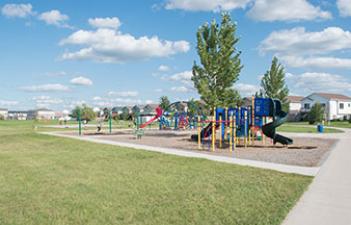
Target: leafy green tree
(125, 113)
(135, 110)
(164, 102)
(316, 114)
(273, 84)
(86, 113)
(220, 61)
(193, 107)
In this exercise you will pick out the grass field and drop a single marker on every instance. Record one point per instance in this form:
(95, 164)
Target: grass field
(49, 180)
(304, 129)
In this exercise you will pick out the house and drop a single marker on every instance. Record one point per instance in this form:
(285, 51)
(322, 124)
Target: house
(41, 114)
(18, 115)
(294, 113)
(336, 106)
(3, 114)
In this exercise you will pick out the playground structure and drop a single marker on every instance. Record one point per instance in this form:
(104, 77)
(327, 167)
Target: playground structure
(236, 126)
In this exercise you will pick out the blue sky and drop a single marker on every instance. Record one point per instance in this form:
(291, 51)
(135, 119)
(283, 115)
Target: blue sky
(57, 54)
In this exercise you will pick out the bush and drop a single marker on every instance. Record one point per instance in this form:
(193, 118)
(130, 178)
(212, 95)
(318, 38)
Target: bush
(349, 118)
(316, 114)
(2, 117)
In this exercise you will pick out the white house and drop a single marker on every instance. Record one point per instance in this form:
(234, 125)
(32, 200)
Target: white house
(3, 113)
(295, 103)
(18, 115)
(337, 106)
(41, 114)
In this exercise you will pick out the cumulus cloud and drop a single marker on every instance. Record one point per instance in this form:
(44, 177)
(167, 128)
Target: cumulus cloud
(183, 77)
(246, 89)
(286, 10)
(163, 68)
(17, 10)
(298, 47)
(344, 7)
(54, 17)
(181, 89)
(45, 88)
(46, 101)
(107, 22)
(123, 93)
(206, 5)
(110, 45)
(82, 81)
(8, 103)
(318, 62)
(318, 82)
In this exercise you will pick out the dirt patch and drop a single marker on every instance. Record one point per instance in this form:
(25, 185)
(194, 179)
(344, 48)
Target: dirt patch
(309, 152)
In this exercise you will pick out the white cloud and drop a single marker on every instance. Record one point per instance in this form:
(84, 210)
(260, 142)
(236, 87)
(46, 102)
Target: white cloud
(124, 93)
(8, 103)
(149, 102)
(344, 7)
(299, 41)
(318, 82)
(17, 10)
(97, 98)
(181, 89)
(163, 68)
(286, 10)
(46, 88)
(54, 17)
(83, 81)
(206, 5)
(108, 22)
(108, 45)
(246, 89)
(299, 48)
(56, 74)
(46, 101)
(318, 62)
(183, 77)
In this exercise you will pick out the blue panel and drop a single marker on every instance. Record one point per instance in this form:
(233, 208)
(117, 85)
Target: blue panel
(263, 107)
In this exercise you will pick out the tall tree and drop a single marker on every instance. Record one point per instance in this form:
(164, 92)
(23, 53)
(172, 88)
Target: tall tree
(164, 102)
(220, 61)
(86, 113)
(273, 83)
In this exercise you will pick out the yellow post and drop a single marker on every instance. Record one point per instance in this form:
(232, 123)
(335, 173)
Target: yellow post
(246, 127)
(214, 130)
(230, 133)
(234, 131)
(253, 118)
(198, 133)
(220, 132)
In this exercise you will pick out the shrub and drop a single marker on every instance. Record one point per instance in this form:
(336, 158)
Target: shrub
(349, 118)
(316, 114)
(2, 117)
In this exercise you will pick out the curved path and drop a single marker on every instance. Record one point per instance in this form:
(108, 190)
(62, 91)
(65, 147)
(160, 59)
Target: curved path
(328, 199)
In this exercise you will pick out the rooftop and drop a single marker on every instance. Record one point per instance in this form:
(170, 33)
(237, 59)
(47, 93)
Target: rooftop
(333, 96)
(295, 98)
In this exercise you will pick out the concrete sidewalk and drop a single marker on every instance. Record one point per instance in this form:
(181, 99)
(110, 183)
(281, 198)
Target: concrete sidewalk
(328, 199)
(308, 171)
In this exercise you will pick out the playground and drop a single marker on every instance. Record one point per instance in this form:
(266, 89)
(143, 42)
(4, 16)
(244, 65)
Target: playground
(247, 132)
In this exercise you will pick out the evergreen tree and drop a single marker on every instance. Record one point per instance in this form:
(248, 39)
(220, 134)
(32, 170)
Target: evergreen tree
(273, 84)
(220, 61)
(164, 102)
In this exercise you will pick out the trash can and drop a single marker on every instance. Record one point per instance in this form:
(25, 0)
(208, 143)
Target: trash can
(320, 128)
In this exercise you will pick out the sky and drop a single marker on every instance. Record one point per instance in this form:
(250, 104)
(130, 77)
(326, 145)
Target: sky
(61, 53)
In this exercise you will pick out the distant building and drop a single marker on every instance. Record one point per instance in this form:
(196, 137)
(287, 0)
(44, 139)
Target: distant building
(41, 114)
(295, 103)
(3, 113)
(336, 106)
(18, 115)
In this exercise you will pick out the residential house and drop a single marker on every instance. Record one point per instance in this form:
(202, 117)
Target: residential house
(41, 114)
(337, 106)
(18, 115)
(3, 113)
(294, 108)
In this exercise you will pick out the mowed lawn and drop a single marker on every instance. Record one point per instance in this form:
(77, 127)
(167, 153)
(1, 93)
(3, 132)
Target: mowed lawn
(49, 180)
(304, 129)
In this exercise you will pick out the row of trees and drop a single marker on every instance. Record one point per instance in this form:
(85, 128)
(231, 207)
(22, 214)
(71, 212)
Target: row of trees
(220, 67)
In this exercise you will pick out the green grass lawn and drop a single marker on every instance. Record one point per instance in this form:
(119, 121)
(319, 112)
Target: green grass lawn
(50, 180)
(304, 129)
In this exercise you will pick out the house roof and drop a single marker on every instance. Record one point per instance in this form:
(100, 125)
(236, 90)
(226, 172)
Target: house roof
(295, 98)
(3, 109)
(332, 96)
(43, 110)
